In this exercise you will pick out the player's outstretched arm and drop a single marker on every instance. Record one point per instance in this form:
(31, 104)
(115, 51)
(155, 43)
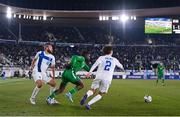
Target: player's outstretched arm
(53, 71)
(119, 65)
(32, 64)
(73, 61)
(98, 61)
(53, 68)
(34, 61)
(87, 68)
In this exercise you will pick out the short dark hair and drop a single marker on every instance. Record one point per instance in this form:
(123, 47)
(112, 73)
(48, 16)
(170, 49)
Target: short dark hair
(107, 49)
(46, 45)
(84, 53)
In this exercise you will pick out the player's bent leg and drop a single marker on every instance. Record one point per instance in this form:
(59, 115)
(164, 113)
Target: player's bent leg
(50, 99)
(94, 100)
(103, 89)
(163, 80)
(79, 85)
(58, 91)
(88, 94)
(39, 84)
(157, 81)
(95, 85)
(52, 84)
(158, 78)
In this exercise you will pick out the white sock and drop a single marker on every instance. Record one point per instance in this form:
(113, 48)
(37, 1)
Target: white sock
(95, 99)
(89, 93)
(35, 92)
(52, 89)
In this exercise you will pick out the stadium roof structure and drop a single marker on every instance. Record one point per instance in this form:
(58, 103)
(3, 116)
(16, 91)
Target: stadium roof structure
(93, 13)
(85, 15)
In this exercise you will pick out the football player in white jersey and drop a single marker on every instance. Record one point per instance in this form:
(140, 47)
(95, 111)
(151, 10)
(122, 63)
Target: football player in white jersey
(41, 62)
(106, 65)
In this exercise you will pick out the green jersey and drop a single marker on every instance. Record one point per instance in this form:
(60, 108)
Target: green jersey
(78, 63)
(160, 70)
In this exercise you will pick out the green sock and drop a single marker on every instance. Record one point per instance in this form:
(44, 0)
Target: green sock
(163, 81)
(156, 81)
(74, 90)
(52, 95)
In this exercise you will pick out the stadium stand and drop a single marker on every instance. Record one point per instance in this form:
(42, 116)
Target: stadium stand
(132, 57)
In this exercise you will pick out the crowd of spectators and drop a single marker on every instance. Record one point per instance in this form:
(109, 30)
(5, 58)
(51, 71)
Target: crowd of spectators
(132, 57)
(131, 52)
(81, 34)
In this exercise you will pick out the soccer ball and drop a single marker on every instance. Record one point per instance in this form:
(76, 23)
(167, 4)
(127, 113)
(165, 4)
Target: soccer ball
(147, 98)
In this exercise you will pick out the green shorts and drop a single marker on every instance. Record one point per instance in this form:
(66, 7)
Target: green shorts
(160, 76)
(69, 76)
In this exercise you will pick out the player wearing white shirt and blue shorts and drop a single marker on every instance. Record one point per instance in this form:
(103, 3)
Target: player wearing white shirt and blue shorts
(106, 65)
(40, 64)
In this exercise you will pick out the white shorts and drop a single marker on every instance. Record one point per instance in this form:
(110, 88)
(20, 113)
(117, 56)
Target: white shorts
(102, 85)
(41, 76)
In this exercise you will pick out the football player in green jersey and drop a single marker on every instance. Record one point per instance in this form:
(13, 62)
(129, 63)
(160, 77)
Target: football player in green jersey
(160, 73)
(76, 64)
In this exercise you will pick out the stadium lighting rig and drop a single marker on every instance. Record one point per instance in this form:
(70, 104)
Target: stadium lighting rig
(115, 18)
(133, 17)
(14, 15)
(19, 16)
(123, 18)
(103, 18)
(9, 13)
(44, 17)
(33, 17)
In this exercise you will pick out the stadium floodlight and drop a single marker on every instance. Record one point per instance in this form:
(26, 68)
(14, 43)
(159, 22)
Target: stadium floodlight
(37, 18)
(19, 16)
(132, 17)
(51, 18)
(100, 18)
(106, 18)
(44, 17)
(9, 13)
(24, 16)
(115, 18)
(34, 17)
(27, 16)
(124, 18)
(149, 41)
(72, 46)
(14, 15)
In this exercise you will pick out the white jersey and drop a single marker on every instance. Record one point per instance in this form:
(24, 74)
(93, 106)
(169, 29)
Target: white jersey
(106, 65)
(43, 61)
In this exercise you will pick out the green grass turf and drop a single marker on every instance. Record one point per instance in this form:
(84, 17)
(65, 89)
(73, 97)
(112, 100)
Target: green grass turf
(125, 97)
(157, 30)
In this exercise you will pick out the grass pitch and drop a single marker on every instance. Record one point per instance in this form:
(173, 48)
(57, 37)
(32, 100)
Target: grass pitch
(125, 97)
(157, 29)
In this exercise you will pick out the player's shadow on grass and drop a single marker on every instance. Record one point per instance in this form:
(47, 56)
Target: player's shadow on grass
(73, 107)
(76, 107)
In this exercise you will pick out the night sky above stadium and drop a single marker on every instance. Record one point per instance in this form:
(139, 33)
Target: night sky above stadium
(91, 4)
